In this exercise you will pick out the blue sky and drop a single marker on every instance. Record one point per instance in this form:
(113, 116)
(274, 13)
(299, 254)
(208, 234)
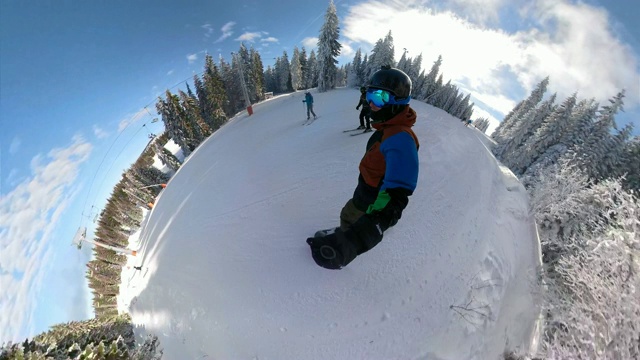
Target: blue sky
(78, 80)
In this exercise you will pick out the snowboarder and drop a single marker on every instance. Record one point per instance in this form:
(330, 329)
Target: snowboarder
(365, 113)
(138, 267)
(309, 100)
(388, 175)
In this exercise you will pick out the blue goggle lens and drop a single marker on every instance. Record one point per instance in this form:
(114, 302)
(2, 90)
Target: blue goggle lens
(378, 97)
(381, 98)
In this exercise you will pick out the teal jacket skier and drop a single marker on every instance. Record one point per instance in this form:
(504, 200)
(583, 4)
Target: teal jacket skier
(388, 175)
(309, 100)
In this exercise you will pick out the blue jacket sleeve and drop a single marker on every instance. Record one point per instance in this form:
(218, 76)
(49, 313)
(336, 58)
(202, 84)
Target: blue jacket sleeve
(401, 156)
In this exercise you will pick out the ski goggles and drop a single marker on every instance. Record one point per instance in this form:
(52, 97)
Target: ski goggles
(381, 98)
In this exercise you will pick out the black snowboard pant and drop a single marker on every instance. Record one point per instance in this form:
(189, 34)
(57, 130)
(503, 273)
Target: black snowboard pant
(365, 114)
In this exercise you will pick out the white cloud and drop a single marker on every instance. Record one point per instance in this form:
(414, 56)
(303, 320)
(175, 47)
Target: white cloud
(269, 39)
(249, 36)
(192, 58)
(99, 132)
(15, 145)
(575, 47)
(130, 119)
(170, 72)
(582, 53)
(347, 51)
(226, 31)
(480, 11)
(310, 43)
(29, 214)
(209, 30)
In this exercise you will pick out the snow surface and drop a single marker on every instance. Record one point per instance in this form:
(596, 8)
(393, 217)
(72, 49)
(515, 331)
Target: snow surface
(227, 273)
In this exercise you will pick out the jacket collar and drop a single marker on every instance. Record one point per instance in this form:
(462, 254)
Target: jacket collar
(405, 118)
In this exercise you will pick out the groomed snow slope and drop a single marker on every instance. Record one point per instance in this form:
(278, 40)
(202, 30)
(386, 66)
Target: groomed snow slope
(228, 274)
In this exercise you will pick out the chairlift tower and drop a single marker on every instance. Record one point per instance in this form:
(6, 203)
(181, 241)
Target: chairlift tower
(81, 237)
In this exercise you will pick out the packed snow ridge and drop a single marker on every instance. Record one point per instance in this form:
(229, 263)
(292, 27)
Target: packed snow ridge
(226, 272)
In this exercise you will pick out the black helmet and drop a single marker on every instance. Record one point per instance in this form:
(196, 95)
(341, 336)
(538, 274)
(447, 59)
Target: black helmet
(363, 89)
(393, 80)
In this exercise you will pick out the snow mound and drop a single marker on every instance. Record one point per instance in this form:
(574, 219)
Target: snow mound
(231, 277)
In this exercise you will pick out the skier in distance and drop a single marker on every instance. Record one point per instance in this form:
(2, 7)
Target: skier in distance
(308, 98)
(365, 113)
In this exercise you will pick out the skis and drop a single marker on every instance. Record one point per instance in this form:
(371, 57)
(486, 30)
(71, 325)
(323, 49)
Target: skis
(362, 133)
(310, 121)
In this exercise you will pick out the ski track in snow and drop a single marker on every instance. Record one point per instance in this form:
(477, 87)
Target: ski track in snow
(231, 277)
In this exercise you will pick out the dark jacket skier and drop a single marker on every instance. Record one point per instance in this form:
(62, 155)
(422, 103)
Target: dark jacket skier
(365, 113)
(309, 100)
(388, 175)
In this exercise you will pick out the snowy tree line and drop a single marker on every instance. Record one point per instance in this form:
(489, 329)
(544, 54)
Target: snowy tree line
(121, 216)
(537, 134)
(315, 70)
(190, 117)
(427, 86)
(481, 124)
(109, 335)
(583, 177)
(104, 338)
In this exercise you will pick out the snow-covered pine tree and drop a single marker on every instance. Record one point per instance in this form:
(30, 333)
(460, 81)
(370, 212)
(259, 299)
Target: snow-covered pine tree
(312, 80)
(510, 151)
(283, 73)
(234, 100)
(99, 338)
(414, 69)
(215, 96)
(503, 130)
(304, 68)
(600, 140)
(169, 111)
(451, 107)
(365, 66)
(630, 167)
(328, 49)
(418, 86)
(163, 155)
(544, 148)
(404, 63)
(440, 98)
(382, 54)
(341, 76)
(462, 106)
(614, 159)
(451, 99)
(582, 121)
(200, 129)
(355, 76)
(269, 79)
(430, 82)
(296, 70)
(256, 76)
(246, 62)
(468, 112)
(481, 124)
